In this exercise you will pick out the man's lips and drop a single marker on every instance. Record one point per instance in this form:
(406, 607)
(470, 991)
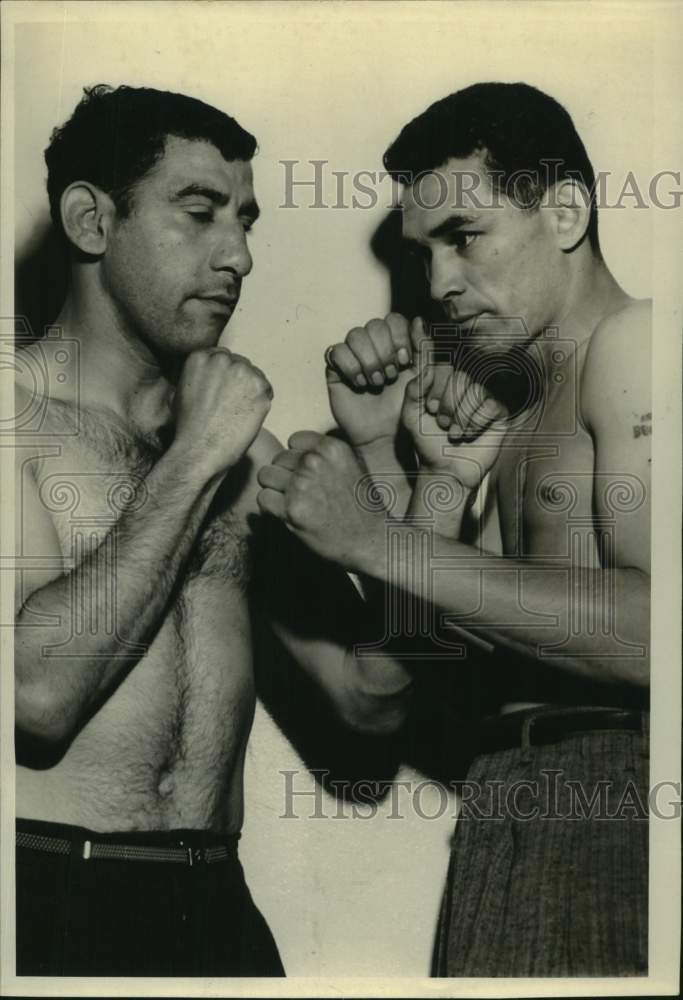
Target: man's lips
(465, 321)
(222, 299)
(462, 326)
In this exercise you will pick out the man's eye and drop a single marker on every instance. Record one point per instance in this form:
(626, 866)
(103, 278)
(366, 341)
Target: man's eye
(201, 214)
(461, 241)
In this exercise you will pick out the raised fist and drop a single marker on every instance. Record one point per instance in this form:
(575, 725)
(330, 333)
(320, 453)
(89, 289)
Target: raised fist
(315, 487)
(220, 404)
(367, 375)
(457, 430)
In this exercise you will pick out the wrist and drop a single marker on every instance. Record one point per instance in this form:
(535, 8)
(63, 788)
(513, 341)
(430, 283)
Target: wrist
(380, 450)
(440, 496)
(395, 448)
(368, 554)
(430, 472)
(197, 474)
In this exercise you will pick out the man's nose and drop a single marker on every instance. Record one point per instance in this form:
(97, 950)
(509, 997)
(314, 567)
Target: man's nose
(231, 253)
(446, 277)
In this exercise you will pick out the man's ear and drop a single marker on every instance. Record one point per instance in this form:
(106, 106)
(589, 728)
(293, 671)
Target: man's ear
(568, 203)
(87, 214)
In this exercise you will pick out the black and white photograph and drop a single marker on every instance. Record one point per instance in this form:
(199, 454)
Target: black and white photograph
(341, 508)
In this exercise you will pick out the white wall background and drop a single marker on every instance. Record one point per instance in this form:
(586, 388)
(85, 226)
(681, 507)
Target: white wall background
(336, 82)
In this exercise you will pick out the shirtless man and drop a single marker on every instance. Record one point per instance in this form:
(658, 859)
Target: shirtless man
(548, 388)
(144, 563)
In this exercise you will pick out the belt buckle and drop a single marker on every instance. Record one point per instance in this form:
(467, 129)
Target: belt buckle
(195, 855)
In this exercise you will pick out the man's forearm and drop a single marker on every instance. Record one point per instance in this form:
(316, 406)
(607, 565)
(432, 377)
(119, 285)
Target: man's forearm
(391, 464)
(119, 593)
(440, 500)
(330, 630)
(379, 691)
(591, 623)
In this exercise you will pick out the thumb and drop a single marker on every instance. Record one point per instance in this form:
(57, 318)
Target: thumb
(420, 341)
(418, 387)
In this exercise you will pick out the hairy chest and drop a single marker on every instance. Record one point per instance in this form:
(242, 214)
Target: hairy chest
(164, 744)
(89, 480)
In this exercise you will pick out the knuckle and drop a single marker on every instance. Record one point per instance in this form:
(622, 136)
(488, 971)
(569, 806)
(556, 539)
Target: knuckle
(296, 506)
(398, 325)
(330, 447)
(220, 359)
(376, 327)
(195, 361)
(344, 360)
(299, 486)
(311, 461)
(258, 381)
(396, 319)
(356, 337)
(445, 394)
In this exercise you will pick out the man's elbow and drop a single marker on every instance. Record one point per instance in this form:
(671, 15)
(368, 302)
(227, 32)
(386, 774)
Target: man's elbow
(377, 715)
(38, 713)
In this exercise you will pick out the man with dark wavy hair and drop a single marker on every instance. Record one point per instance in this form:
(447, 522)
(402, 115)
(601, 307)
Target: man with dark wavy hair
(546, 385)
(146, 571)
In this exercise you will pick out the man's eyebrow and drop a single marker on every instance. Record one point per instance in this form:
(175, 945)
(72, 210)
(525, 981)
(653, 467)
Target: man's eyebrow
(220, 198)
(213, 194)
(451, 225)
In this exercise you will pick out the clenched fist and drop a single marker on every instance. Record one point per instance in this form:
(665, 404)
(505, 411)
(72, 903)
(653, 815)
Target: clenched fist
(313, 487)
(367, 375)
(220, 404)
(457, 428)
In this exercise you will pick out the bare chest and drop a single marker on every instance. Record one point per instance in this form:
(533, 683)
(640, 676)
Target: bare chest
(545, 482)
(164, 747)
(86, 492)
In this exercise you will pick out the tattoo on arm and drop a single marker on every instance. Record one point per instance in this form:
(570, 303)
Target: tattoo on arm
(644, 428)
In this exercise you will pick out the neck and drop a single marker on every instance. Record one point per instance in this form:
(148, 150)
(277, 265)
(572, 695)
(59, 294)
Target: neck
(116, 369)
(591, 294)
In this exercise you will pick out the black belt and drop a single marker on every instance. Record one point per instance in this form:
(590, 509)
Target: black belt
(544, 725)
(92, 850)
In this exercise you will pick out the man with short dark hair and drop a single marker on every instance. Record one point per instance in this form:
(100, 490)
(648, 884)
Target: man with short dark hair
(146, 573)
(546, 385)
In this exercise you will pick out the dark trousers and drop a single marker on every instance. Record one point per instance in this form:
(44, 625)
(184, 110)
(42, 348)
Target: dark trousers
(96, 917)
(549, 867)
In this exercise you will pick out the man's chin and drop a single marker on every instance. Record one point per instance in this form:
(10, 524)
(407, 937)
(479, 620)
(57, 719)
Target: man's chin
(204, 337)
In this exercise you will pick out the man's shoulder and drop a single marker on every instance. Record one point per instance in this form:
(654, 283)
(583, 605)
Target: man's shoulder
(627, 329)
(24, 397)
(632, 319)
(33, 395)
(28, 421)
(616, 372)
